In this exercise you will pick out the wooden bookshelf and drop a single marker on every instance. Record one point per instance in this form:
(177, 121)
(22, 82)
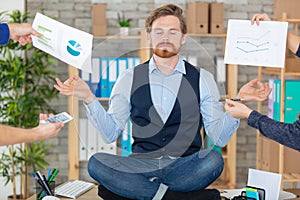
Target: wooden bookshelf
(278, 150)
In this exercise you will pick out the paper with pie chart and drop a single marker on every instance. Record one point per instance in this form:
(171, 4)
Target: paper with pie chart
(66, 43)
(256, 45)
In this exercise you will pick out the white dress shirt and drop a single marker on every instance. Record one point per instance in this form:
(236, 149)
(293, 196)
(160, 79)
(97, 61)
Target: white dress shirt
(219, 125)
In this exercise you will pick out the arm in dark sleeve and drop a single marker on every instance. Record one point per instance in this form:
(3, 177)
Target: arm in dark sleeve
(298, 51)
(4, 34)
(284, 133)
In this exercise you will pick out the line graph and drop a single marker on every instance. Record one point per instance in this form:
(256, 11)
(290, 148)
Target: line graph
(252, 44)
(256, 45)
(248, 45)
(262, 45)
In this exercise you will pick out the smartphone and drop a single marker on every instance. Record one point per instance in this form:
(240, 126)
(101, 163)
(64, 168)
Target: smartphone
(60, 117)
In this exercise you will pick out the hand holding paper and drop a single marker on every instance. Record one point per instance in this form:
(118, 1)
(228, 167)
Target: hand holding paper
(262, 45)
(68, 44)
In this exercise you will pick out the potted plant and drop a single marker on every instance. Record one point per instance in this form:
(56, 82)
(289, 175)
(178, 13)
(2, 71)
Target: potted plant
(26, 87)
(124, 25)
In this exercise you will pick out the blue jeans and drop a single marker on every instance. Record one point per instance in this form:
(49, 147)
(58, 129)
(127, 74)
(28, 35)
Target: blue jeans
(137, 178)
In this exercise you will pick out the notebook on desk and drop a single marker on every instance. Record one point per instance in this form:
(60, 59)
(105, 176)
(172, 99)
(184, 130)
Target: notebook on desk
(73, 189)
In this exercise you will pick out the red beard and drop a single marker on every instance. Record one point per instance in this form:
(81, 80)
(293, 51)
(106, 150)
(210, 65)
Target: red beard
(164, 53)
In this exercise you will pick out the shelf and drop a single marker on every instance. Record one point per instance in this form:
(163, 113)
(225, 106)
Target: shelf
(206, 34)
(290, 20)
(103, 99)
(277, 71)
(119, 37)
(290, 177)
(270, 154)
(135, 37)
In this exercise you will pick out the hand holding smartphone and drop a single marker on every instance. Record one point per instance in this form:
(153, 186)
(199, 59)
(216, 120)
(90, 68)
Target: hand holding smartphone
(60, 117)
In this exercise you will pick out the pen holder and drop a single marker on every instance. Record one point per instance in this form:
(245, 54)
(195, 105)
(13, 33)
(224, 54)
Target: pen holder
(40, 192)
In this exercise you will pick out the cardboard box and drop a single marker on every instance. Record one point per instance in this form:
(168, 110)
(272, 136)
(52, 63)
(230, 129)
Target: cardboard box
(269, 157)
(291, 7)
(197, 17)
(99, 20)
(291, 157)
(202, 15)
(216, 13)
(292, 64)
(190, 17)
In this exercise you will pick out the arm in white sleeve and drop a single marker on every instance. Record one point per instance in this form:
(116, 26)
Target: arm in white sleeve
(111, 124)
(102, 121)
(219, 125)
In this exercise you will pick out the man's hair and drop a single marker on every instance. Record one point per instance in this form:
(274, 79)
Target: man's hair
(169, 9)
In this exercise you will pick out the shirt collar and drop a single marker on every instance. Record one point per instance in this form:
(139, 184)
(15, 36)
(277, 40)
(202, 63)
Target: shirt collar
(180, 66)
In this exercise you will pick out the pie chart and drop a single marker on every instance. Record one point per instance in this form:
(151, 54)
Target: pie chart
(74, 48)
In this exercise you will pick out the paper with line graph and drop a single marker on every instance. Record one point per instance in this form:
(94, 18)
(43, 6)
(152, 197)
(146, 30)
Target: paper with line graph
(262, 45)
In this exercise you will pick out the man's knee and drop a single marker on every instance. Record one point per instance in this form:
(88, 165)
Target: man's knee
(212, 162)
(218, 159)
(94, 163)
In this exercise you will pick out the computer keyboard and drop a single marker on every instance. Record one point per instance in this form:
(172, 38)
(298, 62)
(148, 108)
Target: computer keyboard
(73, 189)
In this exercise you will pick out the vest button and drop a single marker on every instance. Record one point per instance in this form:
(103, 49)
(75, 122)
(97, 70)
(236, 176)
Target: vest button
(163, 139)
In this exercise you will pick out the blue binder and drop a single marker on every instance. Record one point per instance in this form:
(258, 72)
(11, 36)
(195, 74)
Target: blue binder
(133, 61)
(122, 65)
(112, 73)
(110, 69)
(137, 61)
(291, 97)
(292, 101)
(127, 140)
(95, 77)
(103, 84)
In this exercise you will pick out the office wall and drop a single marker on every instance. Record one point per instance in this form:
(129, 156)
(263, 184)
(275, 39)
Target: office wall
(77, 13)
(12, 5)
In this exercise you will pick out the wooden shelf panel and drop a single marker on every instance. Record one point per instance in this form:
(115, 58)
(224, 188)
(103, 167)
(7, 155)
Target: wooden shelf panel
(118, 37)
(291, 177)
(102, 99)
(135, 37)
(277, 71)
(290, 20)
(206, 34)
